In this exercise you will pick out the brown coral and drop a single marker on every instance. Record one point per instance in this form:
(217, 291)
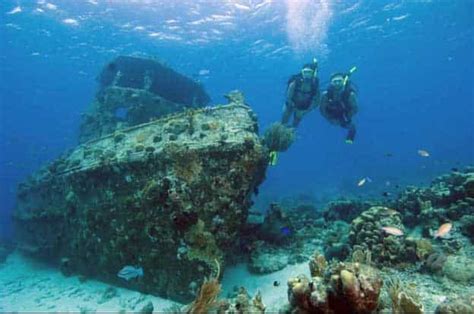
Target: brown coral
(344, 288)
(367, 234)
(317, 265)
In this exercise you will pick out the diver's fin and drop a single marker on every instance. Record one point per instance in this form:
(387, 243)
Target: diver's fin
(273, 158)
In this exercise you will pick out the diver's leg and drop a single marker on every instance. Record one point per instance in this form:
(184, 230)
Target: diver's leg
(299, 114)
(287, 111)
(351, 132)
(297, 118)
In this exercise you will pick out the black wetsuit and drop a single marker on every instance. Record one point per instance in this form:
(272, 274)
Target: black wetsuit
(303, 99)
(339, 109)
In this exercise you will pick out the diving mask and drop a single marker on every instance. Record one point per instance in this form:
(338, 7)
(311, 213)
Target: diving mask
(337, 81)
(307, 73)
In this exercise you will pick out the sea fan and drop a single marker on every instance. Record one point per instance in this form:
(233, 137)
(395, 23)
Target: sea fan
(207, 296)
(278, 137)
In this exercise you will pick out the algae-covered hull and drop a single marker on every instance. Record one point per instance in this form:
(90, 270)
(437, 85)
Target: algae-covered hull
(169, 196)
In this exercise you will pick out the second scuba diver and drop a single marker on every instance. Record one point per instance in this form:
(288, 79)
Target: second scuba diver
(339, 103)
(302, 94)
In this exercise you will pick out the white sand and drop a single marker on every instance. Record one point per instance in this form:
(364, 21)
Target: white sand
(26, 285)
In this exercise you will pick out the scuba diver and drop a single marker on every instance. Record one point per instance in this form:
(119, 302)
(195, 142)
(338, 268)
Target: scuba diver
(339, 103)
(302, 94)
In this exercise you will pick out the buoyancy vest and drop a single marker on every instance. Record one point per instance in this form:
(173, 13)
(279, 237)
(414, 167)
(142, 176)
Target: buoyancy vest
(302, 99)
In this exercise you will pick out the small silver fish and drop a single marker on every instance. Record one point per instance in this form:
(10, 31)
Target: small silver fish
(129, 272)
(423, 153)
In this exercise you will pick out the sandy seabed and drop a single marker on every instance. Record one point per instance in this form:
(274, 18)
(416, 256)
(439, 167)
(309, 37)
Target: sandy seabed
(29, 286)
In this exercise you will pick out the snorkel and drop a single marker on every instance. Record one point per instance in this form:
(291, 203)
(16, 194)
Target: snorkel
(347, 76)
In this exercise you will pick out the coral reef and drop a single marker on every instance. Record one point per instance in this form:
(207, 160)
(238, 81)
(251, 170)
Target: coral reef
(449, 197)
(278, 137)
(367, 234)
(335, 288)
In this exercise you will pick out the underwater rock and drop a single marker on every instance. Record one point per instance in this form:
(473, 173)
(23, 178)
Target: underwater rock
(467, 226)
(5, 250)
(65, 266)
(148, 308)
(266, 259)
(434, 263)
(173, 211)
(242, 302)
(134, 91)
(367, 234)
(108, 294)
(459, 268)
(345, 210)
(3, 254)
(424, 248)
(340, 288)
(336, 241)
(276, 227)
(456, 305)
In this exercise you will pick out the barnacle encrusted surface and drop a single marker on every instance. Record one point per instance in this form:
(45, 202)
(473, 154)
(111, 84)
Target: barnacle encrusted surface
(170, 196)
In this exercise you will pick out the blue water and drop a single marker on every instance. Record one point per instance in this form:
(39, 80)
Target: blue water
(415, 79)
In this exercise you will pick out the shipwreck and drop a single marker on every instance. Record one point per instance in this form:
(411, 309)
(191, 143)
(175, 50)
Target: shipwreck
(165, 186)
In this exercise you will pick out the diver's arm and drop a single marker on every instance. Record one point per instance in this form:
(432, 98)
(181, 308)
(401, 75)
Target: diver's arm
(323, 105)
(316, 101)
(353, 108)
(289, 94)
